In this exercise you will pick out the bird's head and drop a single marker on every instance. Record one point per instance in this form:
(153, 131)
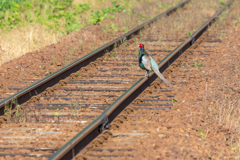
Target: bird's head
(141, 46)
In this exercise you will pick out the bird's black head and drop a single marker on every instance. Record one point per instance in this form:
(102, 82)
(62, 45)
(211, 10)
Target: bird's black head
(141, 46)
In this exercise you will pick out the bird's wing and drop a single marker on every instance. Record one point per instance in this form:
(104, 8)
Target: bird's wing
(146, 60)
(154, 64)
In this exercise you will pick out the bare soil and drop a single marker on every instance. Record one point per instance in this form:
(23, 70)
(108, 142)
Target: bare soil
(204, 122)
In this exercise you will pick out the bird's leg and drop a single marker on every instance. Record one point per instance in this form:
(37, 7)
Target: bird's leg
(146, 75)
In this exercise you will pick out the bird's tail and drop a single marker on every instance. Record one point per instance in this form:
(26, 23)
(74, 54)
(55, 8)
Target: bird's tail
(161, 76)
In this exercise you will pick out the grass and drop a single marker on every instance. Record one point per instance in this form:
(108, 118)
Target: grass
(74, 108)
(196, 64)
(17, 114)
(7, 112)
(29, 25)
(56, 112)
(202, 134)
(52, 14)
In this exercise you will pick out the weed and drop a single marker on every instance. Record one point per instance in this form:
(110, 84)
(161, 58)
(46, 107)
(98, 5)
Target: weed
(74, 108)
(64, 63)
(17, 110)
(112, 26)
(7, 112)
(223, 35)
(188, 33)
(81, 44)
(166, 48)
(56, 113)
(162, 6)
(165, 6)
(202, 134)
(235, 22)
(49, 73)
(49, 13)
(125, 29)
(113, 54)
(174, 100)
(72, 53)
(98, 16)
(94, 48)
(111, 16)
(197, 64)
(54, 60)
(222, 3)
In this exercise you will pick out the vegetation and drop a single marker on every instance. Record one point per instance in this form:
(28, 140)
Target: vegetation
(196, 64)
(98, 16)
(174, 100)
(29, 25)
(165, 6)
(50, 13)
(57, 113)
(60, 15)
(202, 134)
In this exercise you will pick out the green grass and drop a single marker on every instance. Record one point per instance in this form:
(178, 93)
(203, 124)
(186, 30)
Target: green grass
(98, 16)
(196, 64)
(50, 13)
(57, 15)
(56, 113)
(165, 6)
(202, 134)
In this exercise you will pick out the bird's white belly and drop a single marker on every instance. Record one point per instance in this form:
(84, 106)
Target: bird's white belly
(147, 63)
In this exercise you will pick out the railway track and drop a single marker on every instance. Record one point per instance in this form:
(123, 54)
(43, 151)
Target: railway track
(81, 101)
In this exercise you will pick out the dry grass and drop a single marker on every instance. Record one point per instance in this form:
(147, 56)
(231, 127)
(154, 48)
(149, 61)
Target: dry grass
(22, 40)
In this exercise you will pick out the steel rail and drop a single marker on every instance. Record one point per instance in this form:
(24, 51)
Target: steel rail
(38, 87)
(77, 143)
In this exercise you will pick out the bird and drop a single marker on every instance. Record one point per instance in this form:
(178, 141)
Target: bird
(147, 63)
